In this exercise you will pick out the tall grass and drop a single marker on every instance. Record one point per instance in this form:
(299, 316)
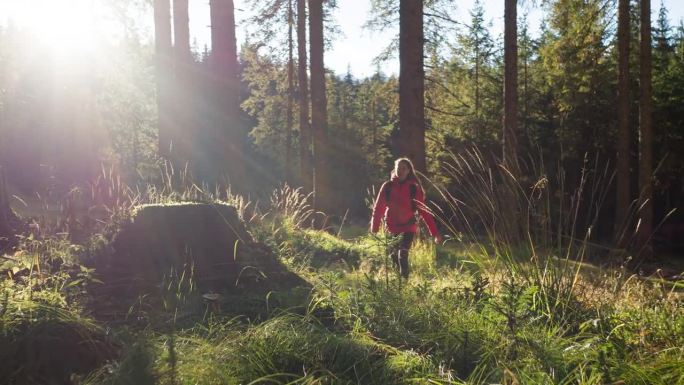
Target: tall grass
(511, 299)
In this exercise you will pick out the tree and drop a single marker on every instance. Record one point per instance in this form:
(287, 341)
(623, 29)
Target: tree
(303, 93)
(645, 134)
(290, 92)
(622, 175)
(162, 40)
(181, 101)
(271, 18)
(579, 85)
(225, 139)
(411, 138)
(510, 117)
(181, 33)
(319, 114)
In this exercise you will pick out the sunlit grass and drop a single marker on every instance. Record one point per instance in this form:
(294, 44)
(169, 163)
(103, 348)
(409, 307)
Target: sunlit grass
(471, 312)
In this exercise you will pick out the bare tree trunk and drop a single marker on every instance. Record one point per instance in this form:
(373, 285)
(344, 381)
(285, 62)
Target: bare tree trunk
(304, 126)
(510, 118)
(476, 127)
(290, 93)
(181, 32)
(162, 47)
(226, 139)
(182, 59)
(645, 135)
(319, 115)
(8, 220)
(411, 83)
(622, 177)
(4, 201)
(374, 125)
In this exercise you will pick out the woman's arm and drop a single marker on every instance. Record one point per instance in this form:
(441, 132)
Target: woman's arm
(426, 215)
(379, 209)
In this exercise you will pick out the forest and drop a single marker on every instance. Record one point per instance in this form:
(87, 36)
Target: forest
(174, 211)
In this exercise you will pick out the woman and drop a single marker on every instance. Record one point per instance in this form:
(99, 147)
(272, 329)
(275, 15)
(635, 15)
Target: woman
(398, 200)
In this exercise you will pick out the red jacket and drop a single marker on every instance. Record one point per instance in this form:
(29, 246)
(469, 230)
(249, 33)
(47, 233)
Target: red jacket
(398, 212)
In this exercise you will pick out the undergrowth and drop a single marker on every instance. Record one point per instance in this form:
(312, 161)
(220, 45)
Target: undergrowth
(522, 307)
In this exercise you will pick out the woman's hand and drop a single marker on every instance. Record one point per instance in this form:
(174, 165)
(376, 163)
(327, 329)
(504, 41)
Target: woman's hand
(438, 239)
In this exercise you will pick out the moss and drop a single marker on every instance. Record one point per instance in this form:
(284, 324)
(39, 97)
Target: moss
(206, 242)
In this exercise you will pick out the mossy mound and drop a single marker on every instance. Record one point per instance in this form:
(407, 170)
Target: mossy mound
(207, 243)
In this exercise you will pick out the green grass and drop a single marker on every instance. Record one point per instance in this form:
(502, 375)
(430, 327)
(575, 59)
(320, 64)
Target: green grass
(471, 313)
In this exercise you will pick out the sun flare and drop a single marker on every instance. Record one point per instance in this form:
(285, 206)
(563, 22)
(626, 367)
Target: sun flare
(66, 26)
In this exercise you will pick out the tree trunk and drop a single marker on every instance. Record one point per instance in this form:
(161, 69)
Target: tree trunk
(622, 177)
(290, 93)
(319, 115)
(304, 126)
(411, 139)
(181, 33)
(162, 48)
(226, 137)
(4, 202)
(510, 118)
(645, 135)
(182, 60)
(8, 220)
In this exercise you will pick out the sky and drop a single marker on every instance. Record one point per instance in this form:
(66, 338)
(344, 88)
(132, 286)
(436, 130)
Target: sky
(355, 49)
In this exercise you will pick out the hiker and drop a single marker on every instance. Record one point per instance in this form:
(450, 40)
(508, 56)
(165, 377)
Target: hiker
(397, 201)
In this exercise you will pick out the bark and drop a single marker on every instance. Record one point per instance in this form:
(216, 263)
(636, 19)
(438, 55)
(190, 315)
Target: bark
(645, 135)
(226, 137)
(181, 32)
(319, 115)
(162, 47)
(302, 76)
(411, 138)
(4, 202)
(622, 177)
(290, 93)
(510, 118)
(181, 103)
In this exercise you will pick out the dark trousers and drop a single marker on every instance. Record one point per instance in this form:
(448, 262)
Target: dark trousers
(400, 253)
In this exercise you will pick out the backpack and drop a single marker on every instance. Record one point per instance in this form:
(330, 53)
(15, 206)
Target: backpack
(412, 194)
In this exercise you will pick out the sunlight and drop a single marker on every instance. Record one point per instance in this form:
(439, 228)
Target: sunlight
(66, 26)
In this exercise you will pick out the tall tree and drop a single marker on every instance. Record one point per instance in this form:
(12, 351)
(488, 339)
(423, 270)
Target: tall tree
(182, 61)
(226, 137)
(290, 92)
(303, 93)
(622, 176)
(645, 134)
(476, 51)
(319, 106)
(162, 47)
(510, 117)
(181, 33)
(411, 138)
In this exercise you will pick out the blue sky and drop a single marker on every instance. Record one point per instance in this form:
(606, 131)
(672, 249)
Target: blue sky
(357, 47)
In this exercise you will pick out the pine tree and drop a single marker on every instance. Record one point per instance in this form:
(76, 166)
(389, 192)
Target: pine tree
(162, 39)
(411, 138)
(225, 139)
(319, 114)
(306, 169)
(623, 175)
(645, 135)
(510, 117)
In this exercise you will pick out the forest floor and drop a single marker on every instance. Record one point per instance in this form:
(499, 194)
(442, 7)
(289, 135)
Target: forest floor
(469, 314)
